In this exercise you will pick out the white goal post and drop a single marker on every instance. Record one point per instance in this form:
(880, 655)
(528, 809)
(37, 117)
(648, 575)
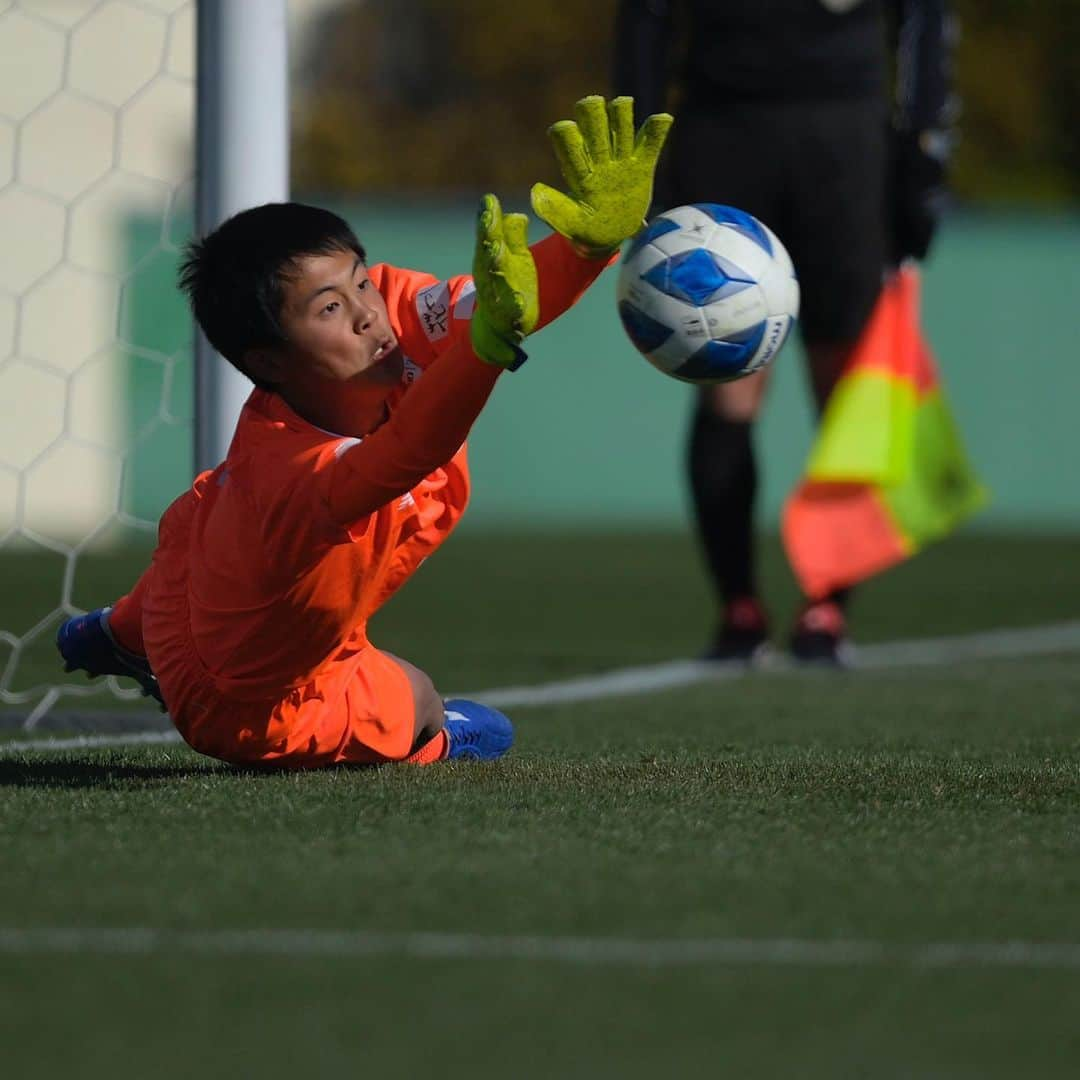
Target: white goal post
(243, 161)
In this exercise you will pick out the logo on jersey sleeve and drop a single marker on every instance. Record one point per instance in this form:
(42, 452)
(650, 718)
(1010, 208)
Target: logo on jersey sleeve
(433, 307)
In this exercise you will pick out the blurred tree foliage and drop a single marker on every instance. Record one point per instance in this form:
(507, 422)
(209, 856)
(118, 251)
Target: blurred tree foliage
(422, 96)
(442, 96)
(1018, 78)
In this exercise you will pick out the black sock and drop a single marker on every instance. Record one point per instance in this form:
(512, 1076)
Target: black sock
(723, 480)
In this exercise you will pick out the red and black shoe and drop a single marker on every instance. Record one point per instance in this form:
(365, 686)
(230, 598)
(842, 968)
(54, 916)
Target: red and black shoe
(743, 633)
(820, 635)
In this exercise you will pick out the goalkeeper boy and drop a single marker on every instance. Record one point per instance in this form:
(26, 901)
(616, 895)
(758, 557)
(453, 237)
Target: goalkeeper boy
(348, 464)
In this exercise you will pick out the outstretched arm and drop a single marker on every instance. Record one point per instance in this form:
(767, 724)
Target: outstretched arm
(609, 177)
(422, 434)
(609, 174)
(433, 419)
(436, 315)
(564, 275)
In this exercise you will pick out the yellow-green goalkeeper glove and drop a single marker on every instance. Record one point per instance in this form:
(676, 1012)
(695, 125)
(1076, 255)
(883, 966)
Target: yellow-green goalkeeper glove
(608, 171)
(507, 290)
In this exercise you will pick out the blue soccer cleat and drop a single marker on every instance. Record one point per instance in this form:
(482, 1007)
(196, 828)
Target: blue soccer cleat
(476, 731)
(86, 644)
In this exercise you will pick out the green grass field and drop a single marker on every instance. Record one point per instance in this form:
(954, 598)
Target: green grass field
(810, 838)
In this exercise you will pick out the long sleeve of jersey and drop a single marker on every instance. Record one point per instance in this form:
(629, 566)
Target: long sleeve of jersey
(925, 34)
(421, 434)
(434, 417)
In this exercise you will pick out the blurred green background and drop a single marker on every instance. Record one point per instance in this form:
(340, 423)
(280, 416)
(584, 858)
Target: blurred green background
(403, 97)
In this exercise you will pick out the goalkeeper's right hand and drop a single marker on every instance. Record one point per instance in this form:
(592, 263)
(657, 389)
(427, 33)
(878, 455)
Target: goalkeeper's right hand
(507, 290)
(608, 173)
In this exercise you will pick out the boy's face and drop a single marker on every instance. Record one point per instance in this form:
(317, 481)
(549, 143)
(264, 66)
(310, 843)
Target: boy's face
(336, 325)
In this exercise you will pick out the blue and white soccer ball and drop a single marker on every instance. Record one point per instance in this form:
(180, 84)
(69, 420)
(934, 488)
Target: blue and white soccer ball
(707, 293)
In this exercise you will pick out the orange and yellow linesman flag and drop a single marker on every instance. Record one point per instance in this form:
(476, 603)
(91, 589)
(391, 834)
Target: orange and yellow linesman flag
(888, 473)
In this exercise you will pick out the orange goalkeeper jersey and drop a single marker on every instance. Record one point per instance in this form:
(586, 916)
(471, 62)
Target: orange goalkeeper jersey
(285, 550)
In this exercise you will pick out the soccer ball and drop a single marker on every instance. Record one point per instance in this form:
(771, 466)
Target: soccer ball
(707, 293)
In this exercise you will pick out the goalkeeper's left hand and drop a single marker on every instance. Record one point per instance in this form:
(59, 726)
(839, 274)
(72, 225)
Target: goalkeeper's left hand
(507, 289)
(608, 171)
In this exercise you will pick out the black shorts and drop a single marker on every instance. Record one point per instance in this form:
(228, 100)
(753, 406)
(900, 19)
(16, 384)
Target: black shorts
(814, 172)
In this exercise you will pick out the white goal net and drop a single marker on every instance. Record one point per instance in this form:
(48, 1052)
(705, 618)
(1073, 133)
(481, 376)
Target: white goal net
(97, 101)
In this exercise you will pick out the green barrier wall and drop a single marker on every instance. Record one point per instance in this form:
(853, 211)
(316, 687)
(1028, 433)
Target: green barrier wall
(589, 434)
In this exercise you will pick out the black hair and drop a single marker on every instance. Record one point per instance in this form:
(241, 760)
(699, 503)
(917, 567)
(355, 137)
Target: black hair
(234, 276)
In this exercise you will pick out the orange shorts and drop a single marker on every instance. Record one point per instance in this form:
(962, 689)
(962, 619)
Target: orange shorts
(358, 710)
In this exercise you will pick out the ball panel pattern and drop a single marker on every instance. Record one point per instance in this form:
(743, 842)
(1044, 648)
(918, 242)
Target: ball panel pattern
(707, 293)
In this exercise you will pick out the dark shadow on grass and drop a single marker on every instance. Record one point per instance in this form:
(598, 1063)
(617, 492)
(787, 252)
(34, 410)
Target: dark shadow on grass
(82, 774)
(86, 774)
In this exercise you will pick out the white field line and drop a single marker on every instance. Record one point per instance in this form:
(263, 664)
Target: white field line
(926, 652)
(623, 952)
(91, 742)
(631, 681)
(991, 644)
